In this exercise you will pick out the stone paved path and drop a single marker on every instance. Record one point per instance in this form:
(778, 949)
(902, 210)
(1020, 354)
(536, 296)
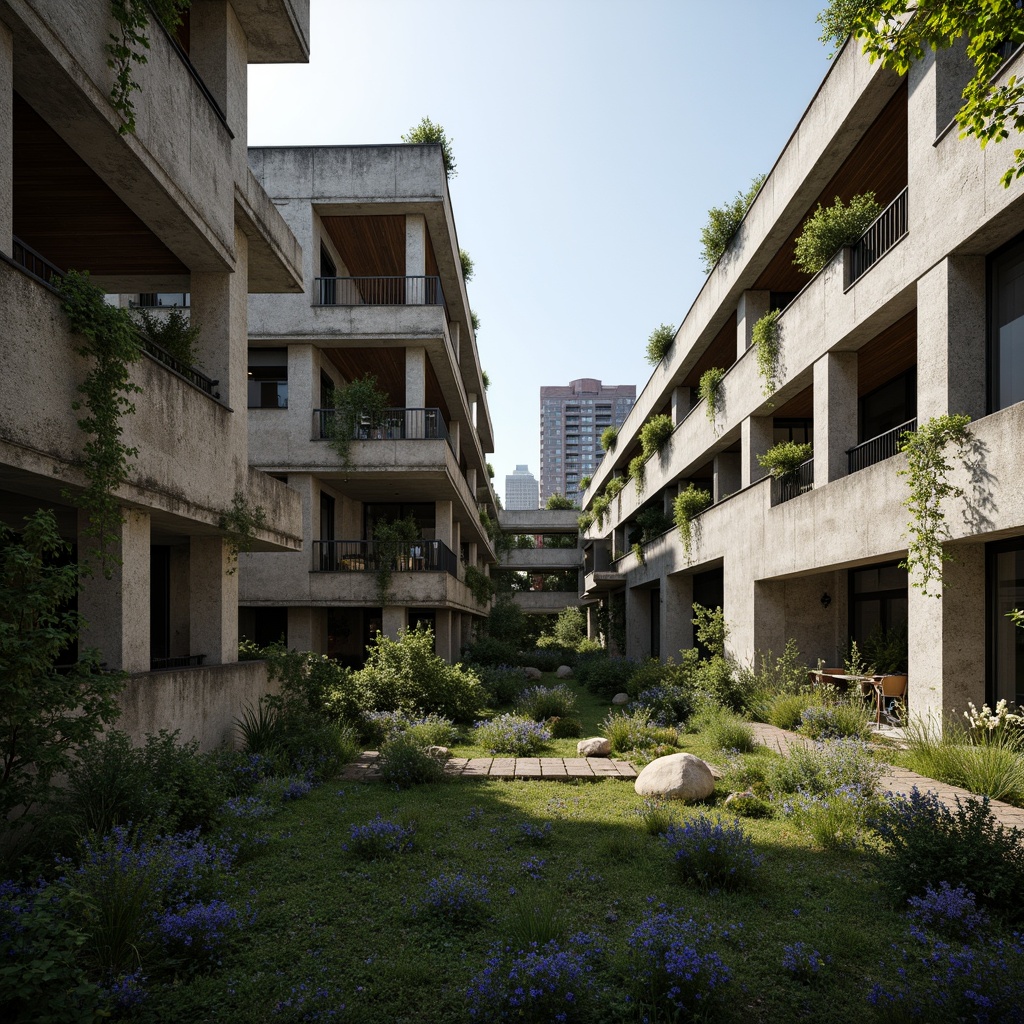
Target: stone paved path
(364, 768)
(894, 779)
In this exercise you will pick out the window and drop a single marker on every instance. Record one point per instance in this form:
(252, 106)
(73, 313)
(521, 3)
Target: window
(328, 278)
(1005, 572)
(268, 378)
(800, 431)
(165, 299)
(1006, 328)
(888, 406)
(878, 600)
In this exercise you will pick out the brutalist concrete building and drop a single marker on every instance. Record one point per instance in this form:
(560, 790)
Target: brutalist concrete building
(922, 317)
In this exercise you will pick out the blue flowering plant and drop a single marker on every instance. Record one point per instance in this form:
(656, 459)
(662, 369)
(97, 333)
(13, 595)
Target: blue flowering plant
(802, 963)
(243, 822)
(380, 838)
(948, 911)
(836, 820)
(456, 897)
(554, 983)
(534, 835)
(512, 734)
(675, 973)
(712, 852)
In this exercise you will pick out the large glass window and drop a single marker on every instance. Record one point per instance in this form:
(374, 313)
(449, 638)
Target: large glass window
(1006, 328)
(268, 378)
(1006, 641)
(878, 601)
(888, 406)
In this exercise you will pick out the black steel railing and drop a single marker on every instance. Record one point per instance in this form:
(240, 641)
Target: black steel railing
(379, 291)
(184, 661)
(877, 449)
(369, 556)
(793, 484)
(190, 373)
(392, 425)
(885, 231)
(37, 265)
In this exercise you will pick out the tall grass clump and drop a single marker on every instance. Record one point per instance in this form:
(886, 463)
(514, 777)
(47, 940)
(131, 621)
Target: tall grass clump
(543, 702)
(512, 734)
(635, 731)
(723, 728)
(839, 719)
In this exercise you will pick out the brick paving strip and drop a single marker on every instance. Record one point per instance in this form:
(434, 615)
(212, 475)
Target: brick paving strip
(559, 769)
(894, 779)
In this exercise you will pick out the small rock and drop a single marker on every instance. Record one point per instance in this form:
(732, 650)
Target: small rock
(747, 794)
(563, 672)
(442, 753)
(676, 777)
(533, 675)
(595, 746)
(620, 698)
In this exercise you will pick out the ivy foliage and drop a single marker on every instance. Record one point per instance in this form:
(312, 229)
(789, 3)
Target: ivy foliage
(655, 434)
(659, 342)
(783, 460)
(609, 438)
(651, 523)
(585, 481)
(828, 229)
(173, 332)
(428, 131)
(614, 485)
(710, 389)
(239, 523)
(927, 473)
(687, 506)
(558, 502)
(129, 46)
(392, 540)
(45, 714)
(766, 341)
(723, 223)
(991, 108)
(467, 264)
(110, 342)
(358, 403)
(481, 586)
(638, 473)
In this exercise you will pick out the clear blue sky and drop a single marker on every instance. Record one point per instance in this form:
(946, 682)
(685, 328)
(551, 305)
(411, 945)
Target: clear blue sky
(591, 138)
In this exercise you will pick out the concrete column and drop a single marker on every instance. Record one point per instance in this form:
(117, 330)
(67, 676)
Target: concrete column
(946, 665)
(638, 623)
(756, 437)
(415, 378)
(454, 331)
(471, 397)
(443, 530)
(415, 257)
(473, 552)
(219, 305)
(727, 474)
(739, 606)
(396, 618)
(455, 433)
(443, 634)
(682, 401)
(306, 630)
(471, 476)
(214, 601)
(676, 615)
(751, 307)
(835, 414)
(456, 543)
(116, 610)
(951, 318)
(6, 139)
(303, 390)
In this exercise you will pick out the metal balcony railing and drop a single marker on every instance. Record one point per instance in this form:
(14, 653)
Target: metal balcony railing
(190, 373)
(369, 556)
(885, 231)
(37, 265)
(184, 661)
(379, 291)
(393, 425)
(877, 449)
(791, 486)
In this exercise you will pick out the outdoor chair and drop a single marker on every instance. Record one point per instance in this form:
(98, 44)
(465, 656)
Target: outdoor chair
(888, 688)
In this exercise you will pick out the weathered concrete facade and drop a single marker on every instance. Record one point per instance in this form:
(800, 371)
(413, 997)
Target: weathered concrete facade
(172, 207)
(383, 296)
(866, 352)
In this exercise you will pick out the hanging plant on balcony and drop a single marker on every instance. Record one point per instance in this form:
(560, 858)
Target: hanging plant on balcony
(659, 342)
(585, 520)
(710, 389)
(638, 472)
(765, 337)
(609, 438)
(783, 460)
(927, 472)
(174, 332)
(392, 542)
(481, 586)
(651, 523)
(828, 229)
(655, 434)
(358, 407)
(687, 506)
(239, 525)
(600, 508)
(585, 482)
(110, 344)
(614, 485)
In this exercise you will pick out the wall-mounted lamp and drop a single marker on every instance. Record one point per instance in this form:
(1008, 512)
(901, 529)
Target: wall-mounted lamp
(826, 600)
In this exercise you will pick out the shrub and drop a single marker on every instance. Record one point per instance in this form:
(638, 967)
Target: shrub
(543, 702)
(174, 332)
(656, 816)
(455, 898)
(614, 485)
(565, 728)
(825, 768)
(609, 437)
(406, 675)
(950, 912)
(724, 728)
(672, 969)
(712, 853)
(602, 675)
(848, 717)
(828, 229)
(686, 507)
(379, 838)
(783, 460)
(655, 434)
(723, 222)
(428, 131)
(964, 847)
(490, 652)
(786, 710)
(835, 820)
(405, 762)
(749, 805)
(659, 342)
(512, 734)
(635, 731)
(709, 388)
(668, 705)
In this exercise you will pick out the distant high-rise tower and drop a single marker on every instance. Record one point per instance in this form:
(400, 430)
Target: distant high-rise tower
(572, 420)
(522, 492)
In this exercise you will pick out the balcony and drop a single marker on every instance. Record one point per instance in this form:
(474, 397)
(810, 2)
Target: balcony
(34, 264)
(879, 448)
(369, 556)
(379, 291)
(888, 228)
(394, 425)
(792, 486)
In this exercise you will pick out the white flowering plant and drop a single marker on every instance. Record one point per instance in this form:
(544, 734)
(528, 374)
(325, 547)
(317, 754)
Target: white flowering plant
(1001, 724)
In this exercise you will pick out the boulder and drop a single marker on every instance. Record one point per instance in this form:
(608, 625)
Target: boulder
(595, 746)
(533, 675)
(676, 777)
(620, 698)
(563, 672)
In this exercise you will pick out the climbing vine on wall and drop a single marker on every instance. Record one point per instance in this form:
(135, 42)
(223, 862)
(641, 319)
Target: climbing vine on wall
(765, 339)
(110, 344)
(239, 524)
(710, 389)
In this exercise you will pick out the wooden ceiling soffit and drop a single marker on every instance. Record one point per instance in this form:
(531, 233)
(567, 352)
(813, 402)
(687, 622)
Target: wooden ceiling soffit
(371, 246)
(799, 407)
(388, 366)
(887, 355)
(721, 352)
